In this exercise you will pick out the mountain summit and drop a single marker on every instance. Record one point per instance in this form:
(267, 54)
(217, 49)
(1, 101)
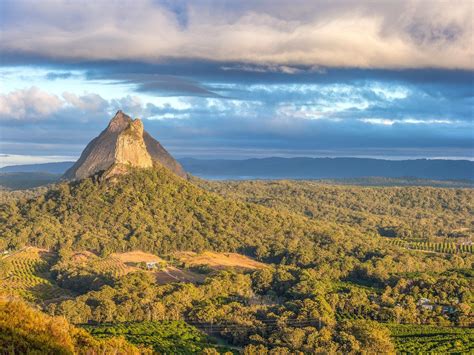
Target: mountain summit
(124, 143)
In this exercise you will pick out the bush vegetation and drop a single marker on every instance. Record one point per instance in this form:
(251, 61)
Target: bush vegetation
(336, 276)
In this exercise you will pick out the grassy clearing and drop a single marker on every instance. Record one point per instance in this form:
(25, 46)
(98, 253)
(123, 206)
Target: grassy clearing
(218, 261)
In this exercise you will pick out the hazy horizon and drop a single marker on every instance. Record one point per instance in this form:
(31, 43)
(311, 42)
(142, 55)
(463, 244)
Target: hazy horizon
(12, 160)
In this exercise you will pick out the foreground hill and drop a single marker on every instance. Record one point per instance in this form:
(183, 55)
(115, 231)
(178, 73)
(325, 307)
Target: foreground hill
(156, 211)
(25, 330)
(324, 287)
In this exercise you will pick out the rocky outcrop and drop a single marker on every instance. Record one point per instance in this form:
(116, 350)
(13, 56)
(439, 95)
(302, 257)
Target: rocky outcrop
(130, 148)
(123, 144)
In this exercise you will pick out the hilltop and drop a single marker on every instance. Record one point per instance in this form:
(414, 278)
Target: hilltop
(123, 144)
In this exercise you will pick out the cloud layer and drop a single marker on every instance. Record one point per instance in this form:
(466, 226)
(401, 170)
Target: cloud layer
(240, 78)
(284, 118)
(275, 34)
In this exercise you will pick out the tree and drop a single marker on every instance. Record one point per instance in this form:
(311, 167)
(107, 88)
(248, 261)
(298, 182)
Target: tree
(371, 337)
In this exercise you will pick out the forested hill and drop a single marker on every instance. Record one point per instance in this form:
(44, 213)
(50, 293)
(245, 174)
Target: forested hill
(321, 286)
(157, 211)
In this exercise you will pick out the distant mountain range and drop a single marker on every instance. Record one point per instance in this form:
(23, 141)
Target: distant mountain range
(301, 168)
(329, 168)
(50, 168)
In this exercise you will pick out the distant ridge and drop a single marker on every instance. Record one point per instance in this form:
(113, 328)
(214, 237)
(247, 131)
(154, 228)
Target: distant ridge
(51, 168)
(302, 168)
(329, 168)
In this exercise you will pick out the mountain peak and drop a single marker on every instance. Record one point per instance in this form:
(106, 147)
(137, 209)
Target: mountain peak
(119, 122)
(123, 144)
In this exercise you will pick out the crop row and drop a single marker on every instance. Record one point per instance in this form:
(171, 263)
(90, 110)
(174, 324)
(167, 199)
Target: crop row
(448, 248)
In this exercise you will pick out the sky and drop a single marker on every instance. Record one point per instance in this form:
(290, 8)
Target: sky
(239, 79)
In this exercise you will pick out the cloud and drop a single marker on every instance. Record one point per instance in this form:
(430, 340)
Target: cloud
(391, 122)
(372, 115)
(60, 75)
(28, 104)
(87, 102)
(273, 68)
(272, 34)
(33, 104)
(16, 159)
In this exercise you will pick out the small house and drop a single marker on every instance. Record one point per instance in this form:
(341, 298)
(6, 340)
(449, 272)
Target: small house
(150, 265)
(425, 303)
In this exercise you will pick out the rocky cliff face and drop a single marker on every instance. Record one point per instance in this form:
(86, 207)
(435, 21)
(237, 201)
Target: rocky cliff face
(123, 144)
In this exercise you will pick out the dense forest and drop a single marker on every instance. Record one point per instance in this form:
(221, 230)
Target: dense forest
(333, 279)
(411, 213)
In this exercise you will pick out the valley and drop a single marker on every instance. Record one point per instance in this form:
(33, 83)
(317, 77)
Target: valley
(271, 265)
(133, 255)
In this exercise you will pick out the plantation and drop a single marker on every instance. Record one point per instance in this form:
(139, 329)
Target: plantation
(26, 273)
(442, 247)
(432, 339)
(169, 337)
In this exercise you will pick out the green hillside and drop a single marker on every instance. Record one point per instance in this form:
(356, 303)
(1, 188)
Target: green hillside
(425, 214)
(27, 273)
(156, 211)
(327, 281)
(26, 330)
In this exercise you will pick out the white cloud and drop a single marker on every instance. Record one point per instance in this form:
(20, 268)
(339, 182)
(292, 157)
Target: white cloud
(16, 159)
(87, 102)
(391, 122)
(276, 35)
(34, 104)
(31, 104)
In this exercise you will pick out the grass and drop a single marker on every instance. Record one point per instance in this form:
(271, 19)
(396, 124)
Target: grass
(218, 261)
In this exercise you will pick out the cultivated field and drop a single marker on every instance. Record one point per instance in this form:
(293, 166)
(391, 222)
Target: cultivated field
(26, 273)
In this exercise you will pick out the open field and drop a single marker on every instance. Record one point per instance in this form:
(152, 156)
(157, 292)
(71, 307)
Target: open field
(136, 256)
(26, 272)
(218, 261)
(119, 264)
